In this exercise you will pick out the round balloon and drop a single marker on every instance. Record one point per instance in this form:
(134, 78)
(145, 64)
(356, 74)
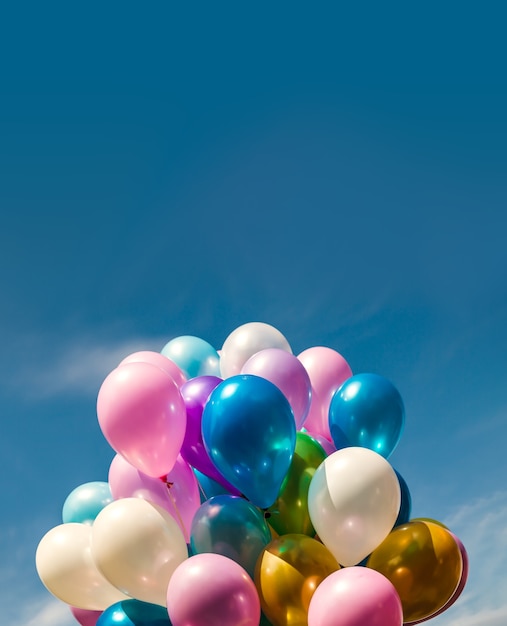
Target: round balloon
(142, 415)
(285, 371)
(85, 617)
(85, 502)
(367, 410)
(134, 613)
(406, 502)
(212, 590)
(249, 432)
(155, 358)
(355, 596)
(327, 370)
(247, 340)
(288, 572)
(353, 500)
(193, 355)
(424, 563)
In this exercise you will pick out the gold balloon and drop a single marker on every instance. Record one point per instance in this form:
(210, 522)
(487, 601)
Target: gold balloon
(287, 574)
(424, 563)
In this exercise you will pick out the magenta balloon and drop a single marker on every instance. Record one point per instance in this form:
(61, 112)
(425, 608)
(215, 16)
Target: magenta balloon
(352, 596)
(195, 393)
(177, 493)
(285, 371)
(327, 370)
(212, 590)
(142, 416)
(155, 358)
(85, 617)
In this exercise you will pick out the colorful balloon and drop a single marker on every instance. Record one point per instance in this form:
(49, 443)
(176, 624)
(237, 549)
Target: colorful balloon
(85, 617)
(249, 432)
(209, 487)
(327, 370)
(406, 502)
(155, 358)
(193, 355)
(142, 415)
(66, 568)
(285, 371)
(289, 512)
(424, 563)
(177, 492)
(230, 526)
(134, 613)
(247, 340)
(353, 500)
(367, 411)
(85, 502)
(355, 596)
(137, 546)
(212, 590)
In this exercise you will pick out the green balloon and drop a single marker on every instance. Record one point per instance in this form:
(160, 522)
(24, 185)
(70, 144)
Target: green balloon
(289, 512)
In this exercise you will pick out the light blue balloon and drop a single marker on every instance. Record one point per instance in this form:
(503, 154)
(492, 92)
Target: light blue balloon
(230, 526)
(208, 487)
(249, 432)
(194, 356)
(85, 502)
(367, 411)
(134, 613)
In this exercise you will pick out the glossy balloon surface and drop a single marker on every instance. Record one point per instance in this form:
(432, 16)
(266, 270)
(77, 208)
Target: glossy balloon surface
(155, 358)
(134, 613)
(85, 502)
(193, 355)
(85, 617)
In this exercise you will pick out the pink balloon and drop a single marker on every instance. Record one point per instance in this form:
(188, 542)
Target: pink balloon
(177, 493)
(212, 590)
(351, 596)
(327, 370)
(285, 371)
(155, 358)
(85, 617)
(142, 415)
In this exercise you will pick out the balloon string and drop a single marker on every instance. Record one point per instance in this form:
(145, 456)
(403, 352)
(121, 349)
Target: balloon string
(202, 490)
(180, 519)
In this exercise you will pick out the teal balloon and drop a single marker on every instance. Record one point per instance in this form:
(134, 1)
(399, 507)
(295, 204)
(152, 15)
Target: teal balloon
(406, 502)
(230, 526)
(134, 613)
(208, 487)
(85, 502)
(367, 411)
(249, 432)
(194, 356)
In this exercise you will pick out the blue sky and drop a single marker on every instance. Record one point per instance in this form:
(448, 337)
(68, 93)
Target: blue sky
(337, 172)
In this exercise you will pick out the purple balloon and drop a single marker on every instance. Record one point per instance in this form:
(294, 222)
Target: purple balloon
(195, 393)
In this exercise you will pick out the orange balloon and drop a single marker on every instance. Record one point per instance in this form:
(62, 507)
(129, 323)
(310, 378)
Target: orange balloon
(423, 561)
(288, 572)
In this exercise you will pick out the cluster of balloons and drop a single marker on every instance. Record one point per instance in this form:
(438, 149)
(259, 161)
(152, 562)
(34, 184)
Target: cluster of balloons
(250, 486)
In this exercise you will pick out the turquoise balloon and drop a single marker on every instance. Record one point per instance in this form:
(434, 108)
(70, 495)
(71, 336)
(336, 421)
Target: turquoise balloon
(85, 502)
(208, 487)
(249, 432)
(134, 613)
(194, 356)
(367, 411)
(230, 526)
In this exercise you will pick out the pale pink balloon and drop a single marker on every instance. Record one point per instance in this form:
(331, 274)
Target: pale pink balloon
(155, 358)
(177, 493)
(327, 370)
(355, 596)
(143, 417)
(285, 371)
(85, 617)
(212, 590)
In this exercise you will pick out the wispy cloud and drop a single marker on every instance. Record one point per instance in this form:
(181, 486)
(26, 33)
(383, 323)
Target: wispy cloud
(46, 611)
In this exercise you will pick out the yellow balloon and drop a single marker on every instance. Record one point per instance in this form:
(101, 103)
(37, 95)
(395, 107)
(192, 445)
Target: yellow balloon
(287, 574)
(424, 563)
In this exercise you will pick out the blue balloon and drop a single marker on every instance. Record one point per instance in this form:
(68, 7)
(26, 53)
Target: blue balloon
(194, 356)
(249, 432)
(134, 613)
(85, 502)
(208, 487)
(230, 526)
(367, 411)
(406, 502)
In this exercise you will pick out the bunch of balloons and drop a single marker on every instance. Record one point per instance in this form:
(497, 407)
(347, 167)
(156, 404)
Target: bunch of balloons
(250, 486)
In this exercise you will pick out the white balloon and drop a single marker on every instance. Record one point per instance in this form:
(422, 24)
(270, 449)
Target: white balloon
(66, 568)
(353, 502)
(137, 545)
(247, 340)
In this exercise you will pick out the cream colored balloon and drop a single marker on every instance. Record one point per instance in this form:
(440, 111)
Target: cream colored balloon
(137, 545)
(353, 501)
(247, 340)
(66, 568)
